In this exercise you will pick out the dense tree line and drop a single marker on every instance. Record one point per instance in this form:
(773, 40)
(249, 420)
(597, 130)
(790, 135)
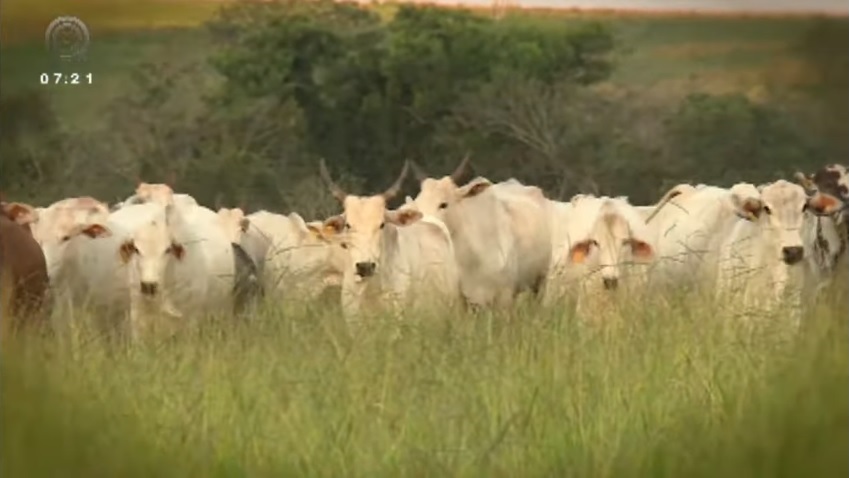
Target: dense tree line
(290, 82)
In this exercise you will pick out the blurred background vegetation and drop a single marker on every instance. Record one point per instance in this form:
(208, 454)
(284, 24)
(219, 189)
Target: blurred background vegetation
(237, 111)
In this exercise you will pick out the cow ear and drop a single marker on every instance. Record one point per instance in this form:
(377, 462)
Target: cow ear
(127, 249)
(641, 249)
(333, 225)
(315, 230)
(824, 204)
(91, 230)
(579, 252)
(749, 209)
(177, 250)
(22, 214)
(474, 188)
(403, 217)
(96, 230)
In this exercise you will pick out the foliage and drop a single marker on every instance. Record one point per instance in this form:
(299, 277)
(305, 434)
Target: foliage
(30, 143)
(824, 49)
(285, 83)
(729, 139)
(373, 94)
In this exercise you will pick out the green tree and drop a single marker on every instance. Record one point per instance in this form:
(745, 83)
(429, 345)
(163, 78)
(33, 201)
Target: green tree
(726, 138)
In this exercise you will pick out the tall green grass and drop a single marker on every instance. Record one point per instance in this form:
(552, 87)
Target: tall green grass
(667, 389)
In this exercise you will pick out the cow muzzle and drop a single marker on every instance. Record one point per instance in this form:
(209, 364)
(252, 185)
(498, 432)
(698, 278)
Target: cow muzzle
(792, 255)
(365, 269)
(610, 283)
(149, 288)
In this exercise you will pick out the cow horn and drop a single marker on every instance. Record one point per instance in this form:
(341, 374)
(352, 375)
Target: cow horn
(671, 194)
(337, 192)
(396, 187)
(418, 172)
(171, 179)
(805, 181)
(461, 169)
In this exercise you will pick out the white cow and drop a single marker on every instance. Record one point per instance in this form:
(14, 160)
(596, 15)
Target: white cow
(401, 257)
(762, 260)
(690, 224)
(598, 243)
(149, 259)
(293, 257)
(500, 233)
(246, 282)
(55, 223)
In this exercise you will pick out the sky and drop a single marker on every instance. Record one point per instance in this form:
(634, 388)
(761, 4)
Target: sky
(831, 6)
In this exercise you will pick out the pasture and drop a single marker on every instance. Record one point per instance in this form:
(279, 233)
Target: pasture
(667, 388)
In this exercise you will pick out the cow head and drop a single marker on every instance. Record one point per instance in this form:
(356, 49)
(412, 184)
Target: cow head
(150, 250)
(438, 195)
(615, 236)
(784, 205)
(62, 218)
(828, 189)
(158, 193)
(54, 251)
(364, 220)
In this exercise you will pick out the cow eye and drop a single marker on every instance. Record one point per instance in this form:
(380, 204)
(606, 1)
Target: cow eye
(347, 226)
(767, 210)
(382, 224)
(344, 245)
(65, 238)
(443, 205)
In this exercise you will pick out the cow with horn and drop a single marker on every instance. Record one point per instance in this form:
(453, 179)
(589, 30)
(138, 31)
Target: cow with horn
(402, 256)
(501, 232)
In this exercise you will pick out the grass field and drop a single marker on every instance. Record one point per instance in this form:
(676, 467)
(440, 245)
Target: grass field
(669, 390)
(664, 55)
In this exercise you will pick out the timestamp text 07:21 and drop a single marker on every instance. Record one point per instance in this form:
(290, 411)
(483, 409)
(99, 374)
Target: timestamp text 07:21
(66, 79)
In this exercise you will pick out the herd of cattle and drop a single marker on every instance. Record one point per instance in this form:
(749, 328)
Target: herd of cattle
(161, 254)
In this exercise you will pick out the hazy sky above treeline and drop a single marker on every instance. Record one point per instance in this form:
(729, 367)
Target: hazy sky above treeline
(831, 6)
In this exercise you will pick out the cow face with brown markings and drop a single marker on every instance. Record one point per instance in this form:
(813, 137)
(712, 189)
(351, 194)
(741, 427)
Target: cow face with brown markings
(828, 189)
(363, 222)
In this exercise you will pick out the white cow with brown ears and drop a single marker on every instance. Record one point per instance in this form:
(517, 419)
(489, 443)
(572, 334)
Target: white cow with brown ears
(56, 222)
(401, 257)
(148, 260)
(500, 233)
(600, 244)
(761, 264)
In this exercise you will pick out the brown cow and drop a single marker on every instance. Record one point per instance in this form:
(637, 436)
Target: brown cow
(23, 270)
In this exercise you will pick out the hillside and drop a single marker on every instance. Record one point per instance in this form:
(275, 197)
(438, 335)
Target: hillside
(664, 54)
